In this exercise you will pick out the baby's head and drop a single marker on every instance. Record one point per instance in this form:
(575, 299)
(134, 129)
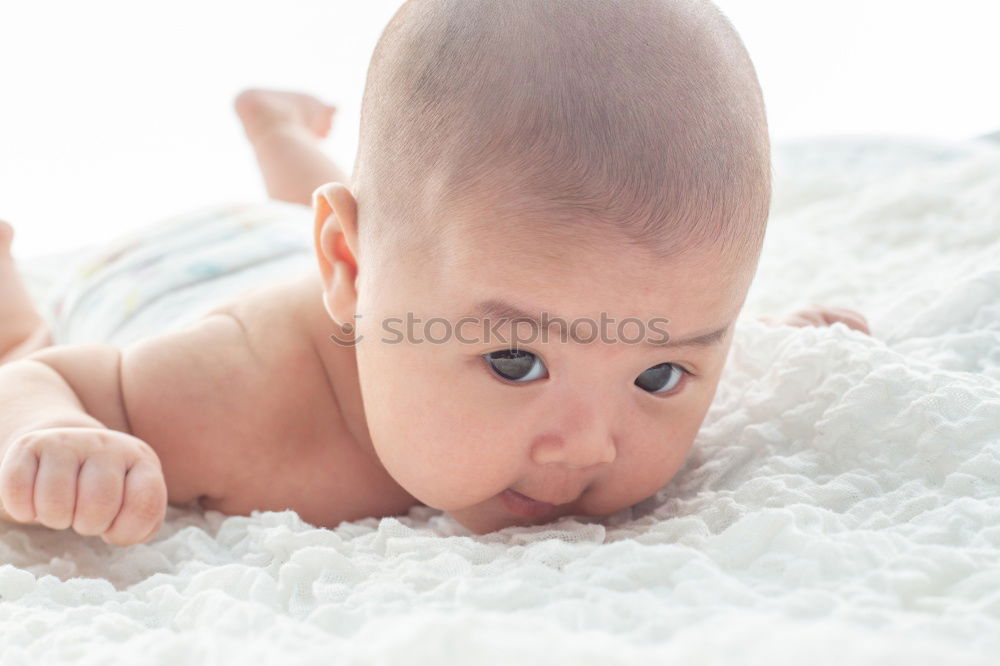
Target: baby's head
(605, 162)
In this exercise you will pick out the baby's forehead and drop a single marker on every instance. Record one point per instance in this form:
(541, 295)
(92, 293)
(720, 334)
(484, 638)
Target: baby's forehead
(549, 241)
(589, 270)
(491, 241)
(485, 277)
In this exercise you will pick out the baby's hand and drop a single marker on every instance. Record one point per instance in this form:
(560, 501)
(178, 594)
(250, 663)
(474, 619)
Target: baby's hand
(818, 315)
(99, 481)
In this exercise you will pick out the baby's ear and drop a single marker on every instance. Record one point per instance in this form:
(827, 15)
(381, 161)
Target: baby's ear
(335, 236)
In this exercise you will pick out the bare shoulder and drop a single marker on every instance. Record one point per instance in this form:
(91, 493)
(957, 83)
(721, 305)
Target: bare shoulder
(179, 389)
(242, 411)
(268, 321)
(208, 397)
(310, 459)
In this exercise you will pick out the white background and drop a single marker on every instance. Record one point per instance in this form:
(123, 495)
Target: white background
(118, 113)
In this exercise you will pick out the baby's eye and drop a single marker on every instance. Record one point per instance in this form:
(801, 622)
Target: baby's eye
(660, 378)
(515, 364)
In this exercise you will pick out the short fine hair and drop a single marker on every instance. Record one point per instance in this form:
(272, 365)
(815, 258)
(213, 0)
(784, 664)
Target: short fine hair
(644, 118)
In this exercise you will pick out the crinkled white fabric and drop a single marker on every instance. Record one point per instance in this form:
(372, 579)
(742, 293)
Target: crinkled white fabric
(841, 504)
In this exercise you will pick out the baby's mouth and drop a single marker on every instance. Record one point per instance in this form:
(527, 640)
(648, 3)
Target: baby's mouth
(524, 506)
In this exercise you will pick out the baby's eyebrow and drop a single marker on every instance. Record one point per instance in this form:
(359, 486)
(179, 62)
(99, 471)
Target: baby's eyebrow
(498, 308)
(704, 340)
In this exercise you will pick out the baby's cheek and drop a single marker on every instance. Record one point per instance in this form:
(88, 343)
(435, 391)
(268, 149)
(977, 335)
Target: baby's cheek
(470, 460)
(657, 459)
(438, 446)
(400, 412)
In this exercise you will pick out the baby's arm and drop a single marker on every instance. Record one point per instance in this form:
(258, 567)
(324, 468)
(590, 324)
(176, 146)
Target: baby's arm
(66, 386)
(66, 457)
(92, 407)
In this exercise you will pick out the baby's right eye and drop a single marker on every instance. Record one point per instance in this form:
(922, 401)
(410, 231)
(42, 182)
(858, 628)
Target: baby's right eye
(515, 365)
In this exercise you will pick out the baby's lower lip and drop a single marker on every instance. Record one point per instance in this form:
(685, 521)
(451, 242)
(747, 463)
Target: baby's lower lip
(522, 506)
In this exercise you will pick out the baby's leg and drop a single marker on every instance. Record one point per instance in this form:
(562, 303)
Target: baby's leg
(284, 129)
(22, 329)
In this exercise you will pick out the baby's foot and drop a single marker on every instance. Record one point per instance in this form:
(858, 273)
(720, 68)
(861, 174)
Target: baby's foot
(6, 236)
(18, 317)
(263, 111)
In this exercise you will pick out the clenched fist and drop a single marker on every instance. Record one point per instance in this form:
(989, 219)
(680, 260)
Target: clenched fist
(96, 480)
(818, 315)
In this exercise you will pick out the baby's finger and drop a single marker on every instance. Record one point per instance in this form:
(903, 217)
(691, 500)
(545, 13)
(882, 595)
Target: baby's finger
(805, 318)
(17, 483)
(848, 317)
(55, 486)
(857, 318)
(144, 506)
(100, 488)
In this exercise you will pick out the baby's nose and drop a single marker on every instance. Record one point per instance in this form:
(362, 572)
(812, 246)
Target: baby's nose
(581, 446)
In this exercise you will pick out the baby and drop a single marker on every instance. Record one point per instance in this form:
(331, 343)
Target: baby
(523, 304)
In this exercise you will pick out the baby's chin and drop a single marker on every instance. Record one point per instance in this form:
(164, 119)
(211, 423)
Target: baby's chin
(491, 516)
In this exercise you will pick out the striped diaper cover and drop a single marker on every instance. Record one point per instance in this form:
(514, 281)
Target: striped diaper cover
(166, 275)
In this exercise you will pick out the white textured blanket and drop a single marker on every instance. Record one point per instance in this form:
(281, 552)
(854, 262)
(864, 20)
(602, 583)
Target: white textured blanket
(841, 505)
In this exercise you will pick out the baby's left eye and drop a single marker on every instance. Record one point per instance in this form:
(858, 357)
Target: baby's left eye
(660, 378)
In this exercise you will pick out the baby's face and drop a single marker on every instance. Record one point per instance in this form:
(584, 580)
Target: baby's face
(593, 427)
